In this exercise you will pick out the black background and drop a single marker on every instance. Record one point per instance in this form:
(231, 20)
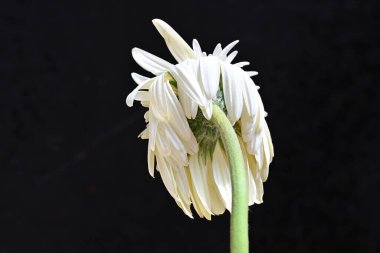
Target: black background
(73, 175)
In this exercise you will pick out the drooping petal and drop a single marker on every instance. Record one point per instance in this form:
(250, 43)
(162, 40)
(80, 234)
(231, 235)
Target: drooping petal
(183, 190)
(162, 145)
(252, 191)
(185, 77)
(144, 134)
(177, 46)
(150, 62)
(177, 149)
(197, 203)
(152, 126)
(268, 152)
(167, 176)
(177, 115)
(222, 178)
(217, 203)
(232, 91)
(189, 106)
(250, 96)
(151, 162)
(131, 97)
(210, 73)
(259, 188)
(159, 106)
(198, 174)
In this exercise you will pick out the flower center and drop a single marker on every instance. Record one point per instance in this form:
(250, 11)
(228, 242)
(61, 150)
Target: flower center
(204, 131)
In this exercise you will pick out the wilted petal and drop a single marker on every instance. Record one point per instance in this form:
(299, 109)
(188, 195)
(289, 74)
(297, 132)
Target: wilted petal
(150, 62)
(151, 162)
(198, 174)
(210, 74)
(131, 97)
(232, 91)
(184, 76)
(177, 46)
(222, 178)
(139, 79)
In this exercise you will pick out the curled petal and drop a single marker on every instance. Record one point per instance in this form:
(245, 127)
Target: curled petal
(139, 79)
(231, 56)
(227, 49)
(150, 62)
(132, 96)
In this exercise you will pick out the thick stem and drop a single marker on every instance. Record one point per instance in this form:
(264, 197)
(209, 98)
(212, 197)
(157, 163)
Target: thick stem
(239, 212)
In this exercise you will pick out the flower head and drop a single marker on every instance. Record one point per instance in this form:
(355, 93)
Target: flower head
(184, 146)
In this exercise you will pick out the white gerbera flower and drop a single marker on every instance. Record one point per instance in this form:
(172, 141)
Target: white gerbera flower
(184, 146)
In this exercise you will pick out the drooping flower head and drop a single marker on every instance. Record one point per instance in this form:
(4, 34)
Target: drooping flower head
(184, 146)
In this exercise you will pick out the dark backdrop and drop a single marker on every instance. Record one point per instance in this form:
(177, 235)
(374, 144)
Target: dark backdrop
(73, 175)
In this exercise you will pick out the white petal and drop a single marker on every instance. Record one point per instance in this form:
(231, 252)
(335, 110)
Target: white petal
(139, 79)
(217, 50)
(185, 101)
(178, 120)
(241, 64)
(232, 91)
(252, 73)
(167, 176)
(258, 181)
(222, 178)
(198, 174)
(250, 95)
(159, 106)
(183, 190)
(197, 48)
(144, 134)
(177, 46)
(178, 152)
(194, 110)
(162, 144)
(185, 77)
(268, 152)
(207, 110)
(150, 62)
(252, 194)
(210, 74)
(227, 49)
(151, 162)
(217, 203)
(152, 131)
(231, 57)
(142, 96)
(132, 95)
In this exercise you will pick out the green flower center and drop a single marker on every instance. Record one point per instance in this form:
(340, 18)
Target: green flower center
(205, 132)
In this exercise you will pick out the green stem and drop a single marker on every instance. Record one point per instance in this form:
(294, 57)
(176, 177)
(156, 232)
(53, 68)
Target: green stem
(239, 212)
